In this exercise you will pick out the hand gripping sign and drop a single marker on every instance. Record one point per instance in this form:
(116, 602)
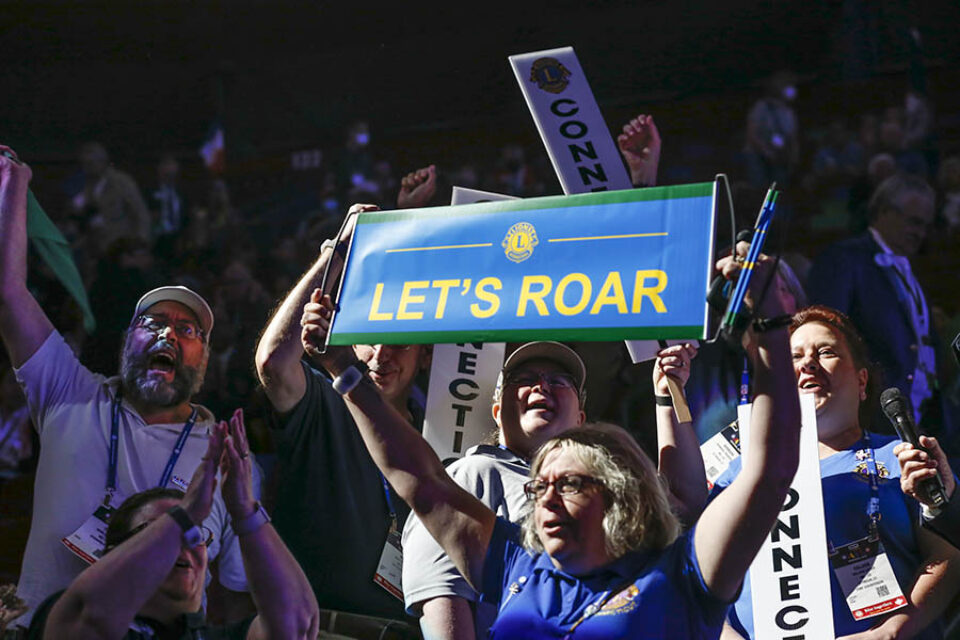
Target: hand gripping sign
(594, 267)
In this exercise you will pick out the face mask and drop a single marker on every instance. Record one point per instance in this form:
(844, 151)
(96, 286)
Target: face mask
(789, 92)
(362, 139)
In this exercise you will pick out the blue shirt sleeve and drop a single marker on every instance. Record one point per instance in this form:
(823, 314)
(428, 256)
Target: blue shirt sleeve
(502, 555)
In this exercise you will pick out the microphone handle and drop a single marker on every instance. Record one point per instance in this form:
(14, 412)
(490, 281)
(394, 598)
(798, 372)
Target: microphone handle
(933, 487)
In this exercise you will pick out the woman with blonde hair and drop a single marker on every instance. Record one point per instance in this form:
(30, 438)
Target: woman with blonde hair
(603, 558)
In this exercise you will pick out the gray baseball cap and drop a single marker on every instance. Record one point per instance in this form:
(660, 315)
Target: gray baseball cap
(547, 350)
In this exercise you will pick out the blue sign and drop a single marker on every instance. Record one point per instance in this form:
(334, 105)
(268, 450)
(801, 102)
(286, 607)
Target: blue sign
(601, 266)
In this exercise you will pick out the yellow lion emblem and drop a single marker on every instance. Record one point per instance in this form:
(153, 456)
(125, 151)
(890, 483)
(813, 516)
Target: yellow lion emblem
(519, 242)
(550, 75)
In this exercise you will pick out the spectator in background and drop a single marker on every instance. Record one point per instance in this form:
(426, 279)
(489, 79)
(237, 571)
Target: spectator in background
(869, 278)
(167, 204)
(773, 137)
(893, 140)
(880, 167)
(123, 274)
(948, 179)
(17, 447)
(110, 202)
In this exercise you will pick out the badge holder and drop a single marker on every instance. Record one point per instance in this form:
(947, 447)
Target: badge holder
(88, 541)
(390, 568)
(866, 578)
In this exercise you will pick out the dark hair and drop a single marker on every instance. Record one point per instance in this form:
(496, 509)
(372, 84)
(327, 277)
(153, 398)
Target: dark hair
(843, 325)
(120, 522)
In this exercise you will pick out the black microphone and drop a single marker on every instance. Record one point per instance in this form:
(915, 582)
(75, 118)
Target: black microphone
(898, 411)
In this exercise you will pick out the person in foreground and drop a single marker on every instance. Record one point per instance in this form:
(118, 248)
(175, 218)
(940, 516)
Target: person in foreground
(861, 496)
(552, 376)
(917, 466)
(150, 581)
(606, 557)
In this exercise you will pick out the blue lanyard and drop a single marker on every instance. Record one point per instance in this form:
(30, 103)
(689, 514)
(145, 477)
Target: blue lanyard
(115, 445)
(387, 494)
(745, 382)
(873, 505)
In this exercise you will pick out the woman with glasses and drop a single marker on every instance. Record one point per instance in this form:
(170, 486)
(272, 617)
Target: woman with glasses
(599, 555)
(150, 581)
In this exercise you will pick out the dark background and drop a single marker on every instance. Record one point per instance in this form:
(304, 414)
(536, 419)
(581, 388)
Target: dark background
(144, 76)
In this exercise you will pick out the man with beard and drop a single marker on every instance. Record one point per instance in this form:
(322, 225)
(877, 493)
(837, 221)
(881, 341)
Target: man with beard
(103, 439)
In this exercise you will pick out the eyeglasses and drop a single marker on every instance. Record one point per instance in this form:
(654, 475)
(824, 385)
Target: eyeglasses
(183, 328)
(204, 531)
(531, 378)
(568, 485)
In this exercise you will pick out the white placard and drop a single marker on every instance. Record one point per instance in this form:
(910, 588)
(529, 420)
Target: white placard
(790, 577)
(462, 381)
(455, 419)
(578, 141)
(463, 195)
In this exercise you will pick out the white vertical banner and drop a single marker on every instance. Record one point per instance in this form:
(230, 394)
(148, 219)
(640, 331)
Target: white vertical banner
(790, 577)
(578, 141)
(462, 378)
(462, 381)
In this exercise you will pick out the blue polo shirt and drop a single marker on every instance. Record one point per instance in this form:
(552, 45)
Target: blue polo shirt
(846, 492)
(667, 597)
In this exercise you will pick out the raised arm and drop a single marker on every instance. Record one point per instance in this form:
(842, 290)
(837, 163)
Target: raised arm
(417, 188)
(279, 350)
(639, 145)
(735, 524)
(285, 602)
(679, 460)
(103, 600)
(460, 523)
(23, 324)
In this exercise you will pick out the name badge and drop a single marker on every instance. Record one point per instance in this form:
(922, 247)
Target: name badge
(866, 578)
(88, 540)
(390, 569)
(719, 451)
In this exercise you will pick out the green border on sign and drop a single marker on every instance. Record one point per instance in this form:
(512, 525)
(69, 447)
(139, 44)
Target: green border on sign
(585, 334)
(697, 190)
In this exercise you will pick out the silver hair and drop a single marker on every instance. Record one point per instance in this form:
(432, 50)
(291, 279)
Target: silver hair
(637, 515)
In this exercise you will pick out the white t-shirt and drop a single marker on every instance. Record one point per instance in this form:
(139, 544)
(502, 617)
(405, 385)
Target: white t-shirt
(71, 410)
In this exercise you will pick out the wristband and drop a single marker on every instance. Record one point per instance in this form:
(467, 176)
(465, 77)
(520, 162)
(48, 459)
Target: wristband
(332, 244)
(192, 536)
(662, 401)
(348, 380)
(252, 522)
(762, 325)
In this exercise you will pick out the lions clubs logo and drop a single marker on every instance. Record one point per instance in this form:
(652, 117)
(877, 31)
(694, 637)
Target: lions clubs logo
(549, 74)
(520, 240)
